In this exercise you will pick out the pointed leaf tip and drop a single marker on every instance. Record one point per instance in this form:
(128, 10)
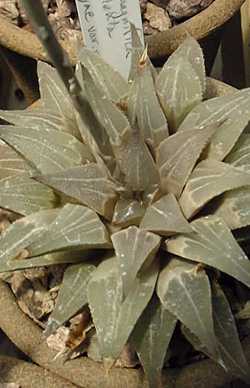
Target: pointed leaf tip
(165, 217)
(213, 244)
(134, 248)
(186, 293)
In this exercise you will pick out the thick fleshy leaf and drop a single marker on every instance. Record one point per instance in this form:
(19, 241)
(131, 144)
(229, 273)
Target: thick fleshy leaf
(151, 338)
(93, 133)
(25, 196)
(213, 244)
(75, 227)
(185, 291)
(134, 248)
(232, 111)
(240, 154)
(48, 149)
(234, 208)
(55, 96)
(210, 179)
(136, 163)
(128, 212)
(109, 115)
(114, 318)
(150, 117)
(228, 339)
(37, 118)
(165, 217)
(11, 163)
(16, 238)
(179, 90)
(87, 184)
(177, 155)
(45, 260)
(191, 50)
(72, 295)
(108, 80)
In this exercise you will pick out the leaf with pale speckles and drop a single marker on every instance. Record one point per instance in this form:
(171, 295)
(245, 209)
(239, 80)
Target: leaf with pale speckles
(232, 111)
(165, 217)
(55, 97)
(87, 184)
(179, 90)
(128, 212)
(11, 163)
(47, 149)
(228, 339)
(23, 195)
(115, 318)
(177, 156)
(240, 154)
(72, 295)
(134, 248)
(75, 227)
(147, 109)
(213, 244)
(191, 50)
(108, 80)
(151, 337)
(208, 180)
(234, 208)
(185, 291)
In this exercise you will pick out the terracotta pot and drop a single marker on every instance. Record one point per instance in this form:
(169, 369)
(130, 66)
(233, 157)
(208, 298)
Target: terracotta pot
(204, 26)
(83, 372)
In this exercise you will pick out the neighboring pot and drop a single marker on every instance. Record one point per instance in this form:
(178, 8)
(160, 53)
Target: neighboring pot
(83, 372)
(206, 27)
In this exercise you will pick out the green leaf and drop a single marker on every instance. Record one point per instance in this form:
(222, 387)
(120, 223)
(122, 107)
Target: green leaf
(150, 117)
(55, 96)
(17, 237)
(108, 80)
(177, 156)
(234, 208)
(240, 154)
(232, 111)
(11, 163)
(165, 217)
(136, 163)
(133, 248)
(208, 180)
(151, 337)
(228, 339)
(87, 184)
(75, 227)
(128, 212)
(72, 295)
(114, 318)
(184, 290)
(113, 120)
(179, 90)
(23, 195)
(47, 149)
(191, 50)
(45, 260)
(212, 244)
(37, 118)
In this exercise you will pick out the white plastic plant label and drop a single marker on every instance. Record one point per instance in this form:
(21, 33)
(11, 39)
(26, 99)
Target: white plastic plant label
(106, 28)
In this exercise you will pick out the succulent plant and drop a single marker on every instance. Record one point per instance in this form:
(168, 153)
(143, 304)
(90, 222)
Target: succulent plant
(139, 197)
